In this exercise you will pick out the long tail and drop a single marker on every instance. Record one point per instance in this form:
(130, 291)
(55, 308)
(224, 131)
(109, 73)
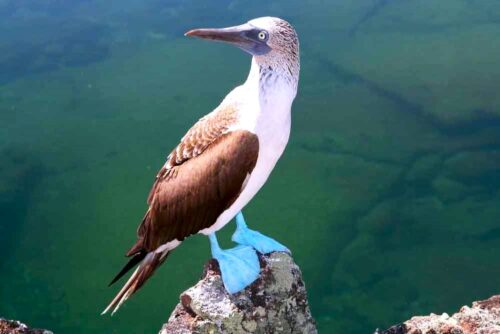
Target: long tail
(147, 266)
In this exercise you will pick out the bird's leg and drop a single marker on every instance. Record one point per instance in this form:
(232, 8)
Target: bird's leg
(239, 266)
(245, 236)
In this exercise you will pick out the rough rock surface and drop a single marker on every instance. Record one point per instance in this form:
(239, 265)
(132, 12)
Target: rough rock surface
(16, 327)
(482, 318)
(275, 303)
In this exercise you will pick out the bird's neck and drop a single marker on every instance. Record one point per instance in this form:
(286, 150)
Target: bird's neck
(272, 80)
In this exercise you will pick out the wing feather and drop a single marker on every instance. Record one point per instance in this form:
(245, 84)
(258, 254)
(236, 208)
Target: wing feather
(202, 177)
(202, 188)
(196, 140)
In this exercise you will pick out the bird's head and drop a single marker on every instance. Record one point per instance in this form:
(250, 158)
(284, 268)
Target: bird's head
(268, 39)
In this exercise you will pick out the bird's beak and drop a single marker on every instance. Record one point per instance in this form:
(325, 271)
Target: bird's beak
(243, 36)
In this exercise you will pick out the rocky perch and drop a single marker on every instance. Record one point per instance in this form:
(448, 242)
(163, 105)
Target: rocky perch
(482, 318)
(16, 327)
(275, 303)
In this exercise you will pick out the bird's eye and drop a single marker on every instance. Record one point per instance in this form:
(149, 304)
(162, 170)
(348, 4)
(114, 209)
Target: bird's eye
(262, 35)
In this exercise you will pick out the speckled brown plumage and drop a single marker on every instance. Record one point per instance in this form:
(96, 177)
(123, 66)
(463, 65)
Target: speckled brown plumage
(196, 141)
(284, 59)
(202, 134)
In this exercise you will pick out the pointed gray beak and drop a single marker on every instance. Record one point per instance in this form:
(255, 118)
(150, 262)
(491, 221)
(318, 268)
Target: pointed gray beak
(244, 36)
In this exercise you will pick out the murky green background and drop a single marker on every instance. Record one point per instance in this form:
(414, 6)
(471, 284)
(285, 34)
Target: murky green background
(388, 194)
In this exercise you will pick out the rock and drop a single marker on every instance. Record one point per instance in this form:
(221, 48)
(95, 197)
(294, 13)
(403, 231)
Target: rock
(482, 318)
(275, 303)
(16, 327)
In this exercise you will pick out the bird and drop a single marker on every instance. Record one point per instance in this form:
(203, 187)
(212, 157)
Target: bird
(222, 161)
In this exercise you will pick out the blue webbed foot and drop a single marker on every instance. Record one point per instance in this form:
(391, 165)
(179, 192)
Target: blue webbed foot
(239, 266)
(245, 236)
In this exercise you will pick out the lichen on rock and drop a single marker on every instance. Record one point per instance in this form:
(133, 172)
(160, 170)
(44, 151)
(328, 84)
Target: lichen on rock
(17, 327)
(482, 318)
(275, 303)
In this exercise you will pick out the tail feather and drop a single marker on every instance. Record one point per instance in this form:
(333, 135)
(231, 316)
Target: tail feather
(130, 264)
(146, 268)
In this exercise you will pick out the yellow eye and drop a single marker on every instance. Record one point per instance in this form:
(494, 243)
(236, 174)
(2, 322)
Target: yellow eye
(262, 35)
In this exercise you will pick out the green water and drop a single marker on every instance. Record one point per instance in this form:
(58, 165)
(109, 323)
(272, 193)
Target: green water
(388, 193)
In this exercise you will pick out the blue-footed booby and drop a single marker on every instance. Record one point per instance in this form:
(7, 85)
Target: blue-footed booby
(223, 161)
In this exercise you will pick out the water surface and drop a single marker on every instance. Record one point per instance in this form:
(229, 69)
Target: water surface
(387, 194)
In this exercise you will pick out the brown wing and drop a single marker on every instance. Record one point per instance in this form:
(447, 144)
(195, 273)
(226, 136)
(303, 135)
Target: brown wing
(196, 140)
(189, 197)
